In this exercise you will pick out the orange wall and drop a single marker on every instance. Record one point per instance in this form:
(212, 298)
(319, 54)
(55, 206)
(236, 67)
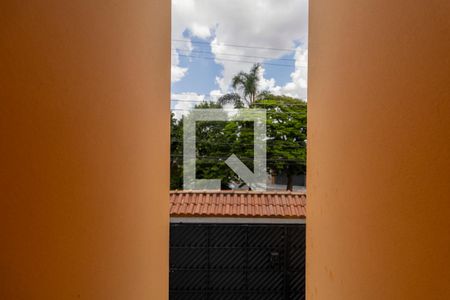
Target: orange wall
(379, 150)
(84, 156)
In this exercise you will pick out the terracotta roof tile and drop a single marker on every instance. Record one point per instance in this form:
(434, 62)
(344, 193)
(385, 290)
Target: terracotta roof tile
(238, 203)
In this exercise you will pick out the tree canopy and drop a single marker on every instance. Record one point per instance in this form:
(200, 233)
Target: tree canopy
(216, 141)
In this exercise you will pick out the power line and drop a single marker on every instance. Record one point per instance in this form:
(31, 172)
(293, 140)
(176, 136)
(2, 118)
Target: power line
(228, 110)
(239, 55)
(248, 144)
(236, 45)
(191, 101)
(234, 60)
(245, 144)
(206, 101)
(215, 158)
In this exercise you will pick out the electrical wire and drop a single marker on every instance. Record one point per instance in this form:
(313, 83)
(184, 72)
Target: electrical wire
(246, 144)
(239, 55)
(212, 160)
(236, 61)
(277, 112)
(235, 45)
(210, 100)
(220, 158)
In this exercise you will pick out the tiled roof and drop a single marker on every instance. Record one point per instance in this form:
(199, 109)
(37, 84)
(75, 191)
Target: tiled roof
(237, 204)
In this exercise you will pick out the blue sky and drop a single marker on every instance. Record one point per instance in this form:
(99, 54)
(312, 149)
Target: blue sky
(212, 40)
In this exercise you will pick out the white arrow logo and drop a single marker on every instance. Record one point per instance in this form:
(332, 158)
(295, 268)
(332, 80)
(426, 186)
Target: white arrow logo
(255, 180)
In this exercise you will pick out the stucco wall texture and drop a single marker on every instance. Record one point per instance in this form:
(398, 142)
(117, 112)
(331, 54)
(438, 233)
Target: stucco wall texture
(84, 156)
(379, 150)
(84, 149)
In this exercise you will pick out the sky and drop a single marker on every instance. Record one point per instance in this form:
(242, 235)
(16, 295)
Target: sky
(212, 40)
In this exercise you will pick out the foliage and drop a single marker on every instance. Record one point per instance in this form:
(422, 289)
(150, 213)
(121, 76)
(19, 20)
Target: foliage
(287, 133)
(211, 149)
(247, 85)
(176, 153)
(216, 141)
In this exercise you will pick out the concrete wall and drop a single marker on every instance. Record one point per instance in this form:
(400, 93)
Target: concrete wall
(84, 156)
(379, 103)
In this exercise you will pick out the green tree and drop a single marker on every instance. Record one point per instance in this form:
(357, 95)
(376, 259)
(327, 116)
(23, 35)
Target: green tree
(287, 135)
(246, 88)
(212, 149)
(176, 153)
(216, 141)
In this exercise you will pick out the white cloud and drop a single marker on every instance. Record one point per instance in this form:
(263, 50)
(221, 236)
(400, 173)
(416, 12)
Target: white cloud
(299, 78)
(264, 83)
(214, 95)
(177, 73)
(186, 102)
(263, 23)
(222, 84)
(182, 10)
(200, 31)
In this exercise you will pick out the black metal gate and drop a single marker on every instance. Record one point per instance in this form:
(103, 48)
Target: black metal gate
(237, 261)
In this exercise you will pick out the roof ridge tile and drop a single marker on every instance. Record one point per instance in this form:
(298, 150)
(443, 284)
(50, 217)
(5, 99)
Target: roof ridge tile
(238, 203)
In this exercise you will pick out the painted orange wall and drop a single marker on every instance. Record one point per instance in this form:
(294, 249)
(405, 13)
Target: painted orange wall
(84, 156)
(379, 150)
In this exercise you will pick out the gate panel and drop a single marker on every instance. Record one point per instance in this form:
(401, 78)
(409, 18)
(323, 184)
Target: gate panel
(237, 261)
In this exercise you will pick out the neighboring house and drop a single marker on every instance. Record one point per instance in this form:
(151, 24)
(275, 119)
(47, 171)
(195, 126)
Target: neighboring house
(237, 245)
(279, 182)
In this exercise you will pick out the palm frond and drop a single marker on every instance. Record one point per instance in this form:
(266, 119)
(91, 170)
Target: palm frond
(232, 98)
(255, 69)
(247, 84)
(238, 80)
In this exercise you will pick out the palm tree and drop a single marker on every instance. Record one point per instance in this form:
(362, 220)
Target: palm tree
(247, 85)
